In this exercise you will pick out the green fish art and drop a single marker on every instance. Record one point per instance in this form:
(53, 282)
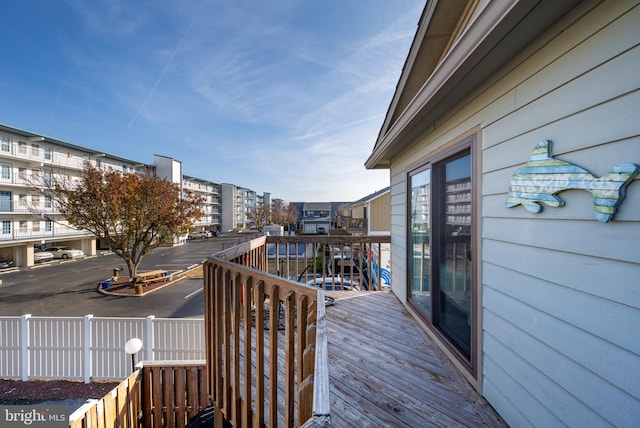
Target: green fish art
(543, 177)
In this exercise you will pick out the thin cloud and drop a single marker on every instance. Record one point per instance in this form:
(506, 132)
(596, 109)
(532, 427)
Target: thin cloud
(164, 71)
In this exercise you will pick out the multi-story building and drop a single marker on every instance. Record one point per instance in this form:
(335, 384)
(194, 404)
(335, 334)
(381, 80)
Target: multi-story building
(29, 218)
(239, 204)
(211, 207)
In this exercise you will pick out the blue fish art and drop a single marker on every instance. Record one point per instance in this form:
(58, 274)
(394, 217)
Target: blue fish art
(543, 177)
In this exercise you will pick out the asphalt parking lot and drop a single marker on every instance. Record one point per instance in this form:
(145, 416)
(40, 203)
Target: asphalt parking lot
(69, 288)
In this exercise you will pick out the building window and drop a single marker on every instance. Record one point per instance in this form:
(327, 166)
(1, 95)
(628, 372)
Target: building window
(36, 226)
(5, 143)
(35, 150)
(48, 204)
(5, 172)
(47, 153)
(22, 148)
(47, 177)
(6, 227)
(48, 225)
(442, 282)
(5, 201)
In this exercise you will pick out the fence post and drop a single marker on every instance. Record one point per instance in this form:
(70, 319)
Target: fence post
(86, 348)
(24, 346)
(148, 345)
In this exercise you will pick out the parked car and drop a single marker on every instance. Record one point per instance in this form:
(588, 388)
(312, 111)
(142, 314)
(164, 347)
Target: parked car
(65, 252)
(5, 264)
(40, 255)
(199, 234)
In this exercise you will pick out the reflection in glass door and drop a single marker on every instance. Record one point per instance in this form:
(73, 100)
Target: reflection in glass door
(453, 314)
(419, 241)
(440, 278)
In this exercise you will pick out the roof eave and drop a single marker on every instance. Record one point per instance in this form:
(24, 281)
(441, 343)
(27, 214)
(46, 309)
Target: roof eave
(465, 66)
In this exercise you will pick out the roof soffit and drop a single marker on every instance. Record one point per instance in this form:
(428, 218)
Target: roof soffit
(482, 27)
(435, 40)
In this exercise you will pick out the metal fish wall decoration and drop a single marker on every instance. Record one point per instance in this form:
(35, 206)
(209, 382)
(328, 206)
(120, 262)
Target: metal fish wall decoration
(543, 177)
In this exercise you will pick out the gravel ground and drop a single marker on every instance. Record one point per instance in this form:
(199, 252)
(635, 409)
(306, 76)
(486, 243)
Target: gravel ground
(15, 392)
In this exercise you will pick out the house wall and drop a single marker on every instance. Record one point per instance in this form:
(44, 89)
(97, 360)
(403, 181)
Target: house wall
(560, 291)
(357, 211)
(379, 214)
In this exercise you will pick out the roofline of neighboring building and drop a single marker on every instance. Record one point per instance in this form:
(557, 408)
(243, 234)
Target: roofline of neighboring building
(34, 138)
(374, 195)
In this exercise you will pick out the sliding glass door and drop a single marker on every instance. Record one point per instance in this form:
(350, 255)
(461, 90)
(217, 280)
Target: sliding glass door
(441, 279)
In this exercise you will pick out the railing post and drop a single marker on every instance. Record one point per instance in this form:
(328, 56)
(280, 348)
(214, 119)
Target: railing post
(149, 338)
(24, 346)
(86, 348)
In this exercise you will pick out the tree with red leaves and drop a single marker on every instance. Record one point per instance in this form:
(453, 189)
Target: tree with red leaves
(133, 213)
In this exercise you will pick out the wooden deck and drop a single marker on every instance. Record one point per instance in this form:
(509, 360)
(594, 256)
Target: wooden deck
(385, 371)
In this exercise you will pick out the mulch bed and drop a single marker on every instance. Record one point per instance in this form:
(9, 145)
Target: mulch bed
(124, 286)
(13, 392)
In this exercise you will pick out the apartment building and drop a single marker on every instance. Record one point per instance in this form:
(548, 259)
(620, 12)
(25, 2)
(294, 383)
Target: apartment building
(29, 219)
(239, 203)
(171, 169)
(211, 192)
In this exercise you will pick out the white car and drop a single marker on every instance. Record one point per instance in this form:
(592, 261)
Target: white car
(40, 256)
(200, 234)
(65, 252)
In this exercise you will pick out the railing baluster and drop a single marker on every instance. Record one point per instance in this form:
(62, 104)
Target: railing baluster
(289, 378)
(246, 306)
(274, 306)
(236, 313)
(259, 323)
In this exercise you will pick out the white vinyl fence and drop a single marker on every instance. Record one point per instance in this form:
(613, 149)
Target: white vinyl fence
(89, 347)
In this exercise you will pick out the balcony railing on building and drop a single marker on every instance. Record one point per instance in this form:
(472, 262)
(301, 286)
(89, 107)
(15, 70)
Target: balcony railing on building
(352, 225)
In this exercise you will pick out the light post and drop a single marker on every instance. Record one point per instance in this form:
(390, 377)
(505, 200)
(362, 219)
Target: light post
(132, 347)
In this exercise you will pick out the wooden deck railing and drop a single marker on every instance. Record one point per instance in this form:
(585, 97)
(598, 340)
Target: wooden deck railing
(119, 408)
(305, 258)
(173, 392)
(266, 343)
(159, 394)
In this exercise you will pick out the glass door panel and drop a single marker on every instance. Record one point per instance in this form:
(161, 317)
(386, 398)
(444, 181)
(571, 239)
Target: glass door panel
(454, 317)
(419, 241)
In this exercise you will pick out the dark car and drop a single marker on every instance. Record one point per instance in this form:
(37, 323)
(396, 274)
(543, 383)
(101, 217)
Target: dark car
(5, 264)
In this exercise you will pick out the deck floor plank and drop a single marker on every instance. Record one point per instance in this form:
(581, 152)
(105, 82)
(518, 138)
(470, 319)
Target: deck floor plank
(389, 371)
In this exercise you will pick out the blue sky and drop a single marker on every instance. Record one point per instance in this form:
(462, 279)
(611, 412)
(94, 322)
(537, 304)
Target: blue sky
(283, 96)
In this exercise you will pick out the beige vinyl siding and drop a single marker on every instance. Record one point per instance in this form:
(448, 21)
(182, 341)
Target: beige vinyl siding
(380, 215)
(560, 290)
(357, 211)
